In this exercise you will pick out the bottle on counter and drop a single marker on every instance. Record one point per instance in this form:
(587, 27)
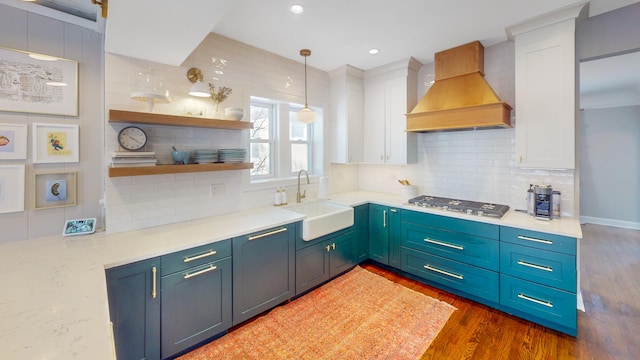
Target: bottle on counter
(531, 201)
(555, 202)
(277, 198)
(283, 196)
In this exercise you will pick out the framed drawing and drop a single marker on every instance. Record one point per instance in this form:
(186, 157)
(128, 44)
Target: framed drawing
(13, 141)
(55, 190)
(55, 143)
(37, 83)
(11, 188)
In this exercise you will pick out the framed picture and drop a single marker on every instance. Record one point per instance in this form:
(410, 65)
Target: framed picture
(55, 190)
(55, 143)
(13, 141)
(79, 227)
(37, 83)
(11, 188)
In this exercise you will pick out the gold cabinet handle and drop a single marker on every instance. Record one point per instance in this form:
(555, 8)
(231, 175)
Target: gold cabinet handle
(333, 246)
(255, 237)
(154, 271)
(459, 277)
(190, 275)
(457, 247)
(208, 253)
(539, 267)
(548, 242)
(384, 218)
(328, 248)
(540, 302)
(393, 210)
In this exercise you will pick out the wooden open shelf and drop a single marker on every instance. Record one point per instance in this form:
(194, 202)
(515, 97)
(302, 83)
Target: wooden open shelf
(175, 169)
(123, 116)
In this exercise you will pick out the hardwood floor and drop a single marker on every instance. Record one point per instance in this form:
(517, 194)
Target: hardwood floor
(609, 329)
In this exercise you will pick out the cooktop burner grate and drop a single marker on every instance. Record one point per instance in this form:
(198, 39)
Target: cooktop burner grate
(463, 206)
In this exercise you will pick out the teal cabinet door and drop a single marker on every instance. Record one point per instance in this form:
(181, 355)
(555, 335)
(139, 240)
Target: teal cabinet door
(342, 253)
(379, 233)
(134, 308)
(361, 232)
(196, 305)
(395, 258)
(263, 271)
(312, 266)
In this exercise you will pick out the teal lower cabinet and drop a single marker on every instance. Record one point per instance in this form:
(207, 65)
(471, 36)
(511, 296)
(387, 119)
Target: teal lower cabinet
(384, 235)
(361, 231)
(319, 260)
(263, 271)
(196, 296)
(538, 278)
(134, 309)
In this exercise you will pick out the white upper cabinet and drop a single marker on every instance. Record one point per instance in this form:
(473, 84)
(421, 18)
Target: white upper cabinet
(390, 92)
(546, 89)
(347, 98)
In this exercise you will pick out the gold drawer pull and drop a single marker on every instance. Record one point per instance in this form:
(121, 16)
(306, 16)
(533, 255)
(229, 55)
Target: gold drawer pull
(459, 277)
(541, 302)
(210, 268)
(208, 253)
(545, 268)
(255, 237)
(154, 271)
(457, 247)
(548, 242)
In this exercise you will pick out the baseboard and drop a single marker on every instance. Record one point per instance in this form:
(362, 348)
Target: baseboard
(610, 222)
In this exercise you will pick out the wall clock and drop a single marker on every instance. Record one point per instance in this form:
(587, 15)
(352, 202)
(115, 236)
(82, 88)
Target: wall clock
(132, 138)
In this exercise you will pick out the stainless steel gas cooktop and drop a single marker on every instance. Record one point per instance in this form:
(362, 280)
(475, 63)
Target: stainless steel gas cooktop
(462, 206)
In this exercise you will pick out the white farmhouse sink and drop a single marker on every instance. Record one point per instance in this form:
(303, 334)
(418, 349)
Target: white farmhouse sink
(322, 218)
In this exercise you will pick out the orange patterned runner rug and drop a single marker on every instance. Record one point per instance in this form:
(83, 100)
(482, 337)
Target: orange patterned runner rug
(359, 315)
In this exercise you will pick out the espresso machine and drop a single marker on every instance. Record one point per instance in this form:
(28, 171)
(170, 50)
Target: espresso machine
(543, 203)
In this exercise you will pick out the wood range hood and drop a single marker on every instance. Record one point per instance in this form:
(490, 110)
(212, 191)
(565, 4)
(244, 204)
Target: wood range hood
(460, 98)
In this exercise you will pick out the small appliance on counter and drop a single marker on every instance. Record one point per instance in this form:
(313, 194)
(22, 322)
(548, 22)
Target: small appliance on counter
(543, 201)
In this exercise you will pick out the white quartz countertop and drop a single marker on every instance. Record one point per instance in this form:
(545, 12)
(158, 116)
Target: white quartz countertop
(53, 295)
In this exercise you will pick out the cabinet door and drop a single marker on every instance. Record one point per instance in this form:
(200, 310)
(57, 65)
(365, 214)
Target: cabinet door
(375, 114)
(361, 232)
(396, 122)
(378, 233)
(263, 271)
(134, 308)
(312, 266)
(394, 229)
(196, 305)
(545, 93)
(342, 253)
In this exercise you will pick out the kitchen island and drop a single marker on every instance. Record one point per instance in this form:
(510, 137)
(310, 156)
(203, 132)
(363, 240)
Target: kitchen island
(53, 303)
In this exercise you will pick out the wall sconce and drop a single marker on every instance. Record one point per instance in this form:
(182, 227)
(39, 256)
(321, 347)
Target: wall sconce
(306, 115)
(199, 89)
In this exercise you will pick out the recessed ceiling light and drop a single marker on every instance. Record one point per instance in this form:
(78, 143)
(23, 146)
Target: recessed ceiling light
(296, 9)
(373, 51)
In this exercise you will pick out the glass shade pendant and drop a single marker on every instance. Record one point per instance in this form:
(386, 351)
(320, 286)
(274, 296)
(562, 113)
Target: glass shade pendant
(306, 115)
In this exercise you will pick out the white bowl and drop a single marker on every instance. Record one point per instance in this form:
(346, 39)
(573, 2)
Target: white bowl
(234, 113)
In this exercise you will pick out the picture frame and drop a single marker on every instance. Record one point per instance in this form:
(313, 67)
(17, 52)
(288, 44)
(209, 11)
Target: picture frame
(38, 83)
(55, 190)
(13, 141)
(12, 188)
(79, 227)
(55, 143)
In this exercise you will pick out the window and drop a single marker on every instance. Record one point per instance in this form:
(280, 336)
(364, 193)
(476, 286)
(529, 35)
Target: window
(280, 145)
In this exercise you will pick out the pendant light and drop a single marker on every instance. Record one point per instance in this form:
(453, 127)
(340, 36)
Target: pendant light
(306, 115)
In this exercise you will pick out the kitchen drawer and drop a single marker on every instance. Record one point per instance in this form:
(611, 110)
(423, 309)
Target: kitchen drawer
(448, 223)
(196, 256)
(466, 278)
(466, 248)
(539, 303)
(538, 240)
(543, 267)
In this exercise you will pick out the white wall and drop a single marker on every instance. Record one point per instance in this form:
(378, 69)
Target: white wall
(144, 201)
(22, 30)
(610, 166)
(473, 165)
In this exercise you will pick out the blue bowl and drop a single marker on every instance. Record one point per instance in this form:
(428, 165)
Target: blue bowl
(180, 157)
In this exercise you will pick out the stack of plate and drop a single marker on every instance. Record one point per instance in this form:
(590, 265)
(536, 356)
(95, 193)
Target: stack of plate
(205, 156)
(233, 155)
